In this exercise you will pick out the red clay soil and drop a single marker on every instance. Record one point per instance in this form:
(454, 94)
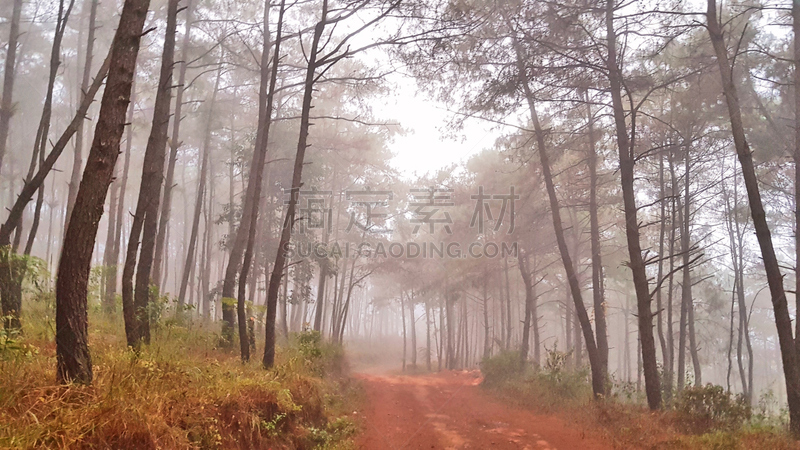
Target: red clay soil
(450, 411)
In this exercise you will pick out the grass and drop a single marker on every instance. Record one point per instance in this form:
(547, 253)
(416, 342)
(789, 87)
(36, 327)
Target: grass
(625, 423)
(179, 392)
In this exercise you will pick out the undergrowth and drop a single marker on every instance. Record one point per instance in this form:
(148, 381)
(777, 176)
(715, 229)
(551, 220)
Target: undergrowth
(704, 417)
(179, 392)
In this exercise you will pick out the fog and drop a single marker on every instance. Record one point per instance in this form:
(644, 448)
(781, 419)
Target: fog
(430, 184)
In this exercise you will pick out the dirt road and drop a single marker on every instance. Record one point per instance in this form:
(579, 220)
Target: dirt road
(450, 411)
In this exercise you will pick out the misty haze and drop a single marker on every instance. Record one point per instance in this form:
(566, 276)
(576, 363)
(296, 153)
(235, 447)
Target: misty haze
(399, 224)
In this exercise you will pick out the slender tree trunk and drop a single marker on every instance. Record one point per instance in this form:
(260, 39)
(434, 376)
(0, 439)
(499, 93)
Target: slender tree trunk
(671, 283)
(487, 343)
(44, 124)
(508, 303)
(72, 351)
(113, 260)
(659, 296)
(687, 272)
(250, 204)
(201, 189)
(403, 318)
(302, 144)
(599, 375)
(737, 247)
(440, 353)
(174, 144)
(636, 263)
(266, 96)
(6, 104)
(413, 324)
(145, 221)
(522, 261)
(77, 161)
(783, 321)
(108, 253)
(598, 294)
(684, 316)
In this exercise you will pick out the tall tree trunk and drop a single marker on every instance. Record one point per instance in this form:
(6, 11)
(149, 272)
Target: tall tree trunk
(44, 124)
(108, 253)
(77, 161)
(266, 96)
(413, 324)
(684, 315)
(661, 236)
(405, 339)
(687, 273)
(207, 297)
(598, 294)
(145, 220)
(323, 274)
(174, 143)
(508, 304)
(736, 243)
(427, 336)
(288, 222)
(783, 321)
(626, 169)
(113, 259)
(522, 262)
(487, 343)
(201, 189)
(599, 375)
(671, 281)
(72, 351)
(6, 104)
(250, 204)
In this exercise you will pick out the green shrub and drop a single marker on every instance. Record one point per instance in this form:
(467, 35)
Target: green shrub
(501, 368)
(704, 408)
(545, 390)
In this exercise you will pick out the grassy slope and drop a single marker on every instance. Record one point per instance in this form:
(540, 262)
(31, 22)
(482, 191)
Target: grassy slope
(624, 423)
(180, 392)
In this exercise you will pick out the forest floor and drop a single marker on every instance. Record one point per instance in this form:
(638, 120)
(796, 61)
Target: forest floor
(449, 410)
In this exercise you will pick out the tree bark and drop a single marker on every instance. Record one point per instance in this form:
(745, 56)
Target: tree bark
(77, 161)
(687, 270)
(6, 104)
(599, 375)
(72, 351)
(427, 336)
(145, 220)
(174, 145)
(288, 222)
(636, 263)
(413, 324)
(522, 261)
(783, 321)
(659, 296)
(256, 180)
(405, 339)
(113, 259)
(201, 189)
(249, 207)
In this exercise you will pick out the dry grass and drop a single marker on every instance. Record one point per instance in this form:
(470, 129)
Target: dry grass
(626, 425)
(181, 392)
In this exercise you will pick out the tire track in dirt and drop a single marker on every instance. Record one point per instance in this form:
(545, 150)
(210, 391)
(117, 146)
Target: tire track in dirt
(449, 410)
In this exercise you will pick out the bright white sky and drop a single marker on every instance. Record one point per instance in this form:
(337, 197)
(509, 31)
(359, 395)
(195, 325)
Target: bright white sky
(427, 146)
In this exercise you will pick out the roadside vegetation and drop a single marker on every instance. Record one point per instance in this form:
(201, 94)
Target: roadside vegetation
(700, 417)
(179, 392)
